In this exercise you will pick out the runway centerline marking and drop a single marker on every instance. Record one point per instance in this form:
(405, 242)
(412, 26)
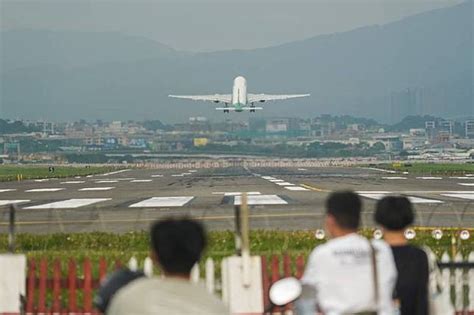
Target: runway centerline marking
(96, 188)
(393, 177)
(107, 181)
(7, 189)
(115, 172)
(44, 189)
(141, 181)
(296, 188)
(11, 202)
(73, 182)
(313, 188)
(429, 178)
(261, 200)
(466, 184)
(163, 202)
(69, 204)
(156, 175)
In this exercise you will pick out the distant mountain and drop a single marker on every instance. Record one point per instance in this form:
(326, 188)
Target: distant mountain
(72, 75)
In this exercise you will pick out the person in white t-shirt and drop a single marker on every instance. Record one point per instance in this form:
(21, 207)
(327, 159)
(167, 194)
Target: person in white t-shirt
(177, 245)
(339, 276)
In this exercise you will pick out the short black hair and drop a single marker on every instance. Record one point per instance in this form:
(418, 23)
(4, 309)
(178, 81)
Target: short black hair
(394, 213)
(345, 207)
(178, 244)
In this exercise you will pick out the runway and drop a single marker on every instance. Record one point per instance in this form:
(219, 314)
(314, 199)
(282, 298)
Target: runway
(280, 198)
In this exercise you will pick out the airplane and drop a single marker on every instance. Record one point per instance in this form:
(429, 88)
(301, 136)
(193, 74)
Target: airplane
(239, 100)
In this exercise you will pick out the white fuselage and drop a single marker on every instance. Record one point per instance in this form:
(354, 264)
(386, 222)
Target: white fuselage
(239, 92)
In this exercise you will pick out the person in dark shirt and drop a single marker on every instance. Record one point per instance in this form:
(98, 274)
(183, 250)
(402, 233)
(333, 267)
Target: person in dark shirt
(394, 214)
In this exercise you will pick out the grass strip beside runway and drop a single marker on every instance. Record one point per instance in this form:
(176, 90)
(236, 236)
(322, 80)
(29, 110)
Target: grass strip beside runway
(15, 172)
(431, 168)
(221, 243)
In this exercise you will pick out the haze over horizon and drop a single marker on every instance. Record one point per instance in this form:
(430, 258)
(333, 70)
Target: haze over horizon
(191, 25)
(362, 72)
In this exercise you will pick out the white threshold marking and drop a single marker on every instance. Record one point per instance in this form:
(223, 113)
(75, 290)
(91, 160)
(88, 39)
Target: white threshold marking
(5, 190)
(41, 180)
(141, 180)
(296, 188)
(416, 192)
(69, 204)
(461, 196)
(276, 180)
(73, 182)
(96, 188)
(12, 202)
(393, 177)
(466, 184)
(261, 200)
(380, 170)
(115, 172)
(378, 196)
(429, 177)
(107, 181)
(156, 175)
(163, 202)
(235, 193)
(423, 200)
(268, 177)
(250, 193)
(285, 184)
(44, 189)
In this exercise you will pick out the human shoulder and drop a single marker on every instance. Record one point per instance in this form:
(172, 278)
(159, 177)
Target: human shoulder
(130, 294)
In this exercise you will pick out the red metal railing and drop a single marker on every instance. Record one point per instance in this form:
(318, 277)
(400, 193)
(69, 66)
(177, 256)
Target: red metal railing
(60, 288)
(44, 293)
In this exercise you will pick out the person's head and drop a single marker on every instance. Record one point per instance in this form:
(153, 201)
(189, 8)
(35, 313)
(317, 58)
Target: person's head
(177, 244)
(342, 213)
(394, 213)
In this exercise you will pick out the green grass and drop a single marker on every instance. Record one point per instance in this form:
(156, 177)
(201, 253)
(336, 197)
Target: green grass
(11, 172)
(121, 247)
(432, 168)
(221, 243)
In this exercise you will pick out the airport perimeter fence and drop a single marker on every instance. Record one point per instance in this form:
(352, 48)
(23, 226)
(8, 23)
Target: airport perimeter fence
(60, 287)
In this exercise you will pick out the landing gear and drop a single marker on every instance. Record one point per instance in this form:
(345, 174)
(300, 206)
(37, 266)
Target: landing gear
(251, 108)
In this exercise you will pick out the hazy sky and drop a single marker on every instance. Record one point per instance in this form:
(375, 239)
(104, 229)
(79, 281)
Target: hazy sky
(207, 25)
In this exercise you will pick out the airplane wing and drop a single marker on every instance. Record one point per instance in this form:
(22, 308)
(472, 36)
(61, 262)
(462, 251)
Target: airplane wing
(216, 98)
(251, 98)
